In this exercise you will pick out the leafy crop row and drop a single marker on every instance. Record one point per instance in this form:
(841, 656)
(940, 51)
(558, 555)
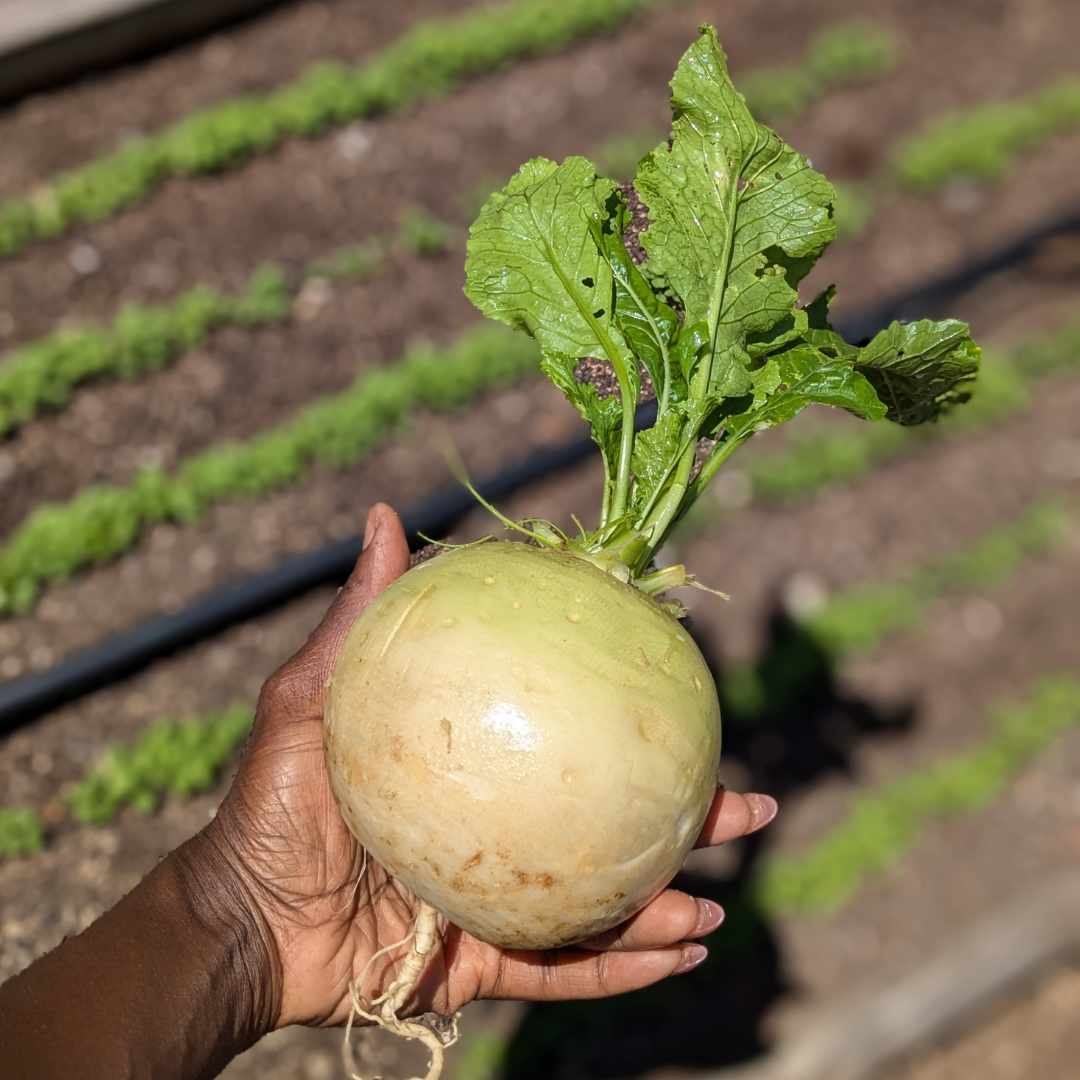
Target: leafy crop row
(171, 758)
(881, 826)
(861, 618)
(981, 142)
(57, 540)
(985, 141)
(429, 59)
(846, 52)
(43, 373)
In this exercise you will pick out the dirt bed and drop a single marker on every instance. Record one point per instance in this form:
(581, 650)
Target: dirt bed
(59, 130)
(921, 695)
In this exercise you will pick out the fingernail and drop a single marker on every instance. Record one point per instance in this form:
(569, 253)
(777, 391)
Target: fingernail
(370, 527)
(762, 810)
(692, 955)
(710, 916)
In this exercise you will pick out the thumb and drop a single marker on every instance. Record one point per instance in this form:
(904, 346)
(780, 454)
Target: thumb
(300, 685)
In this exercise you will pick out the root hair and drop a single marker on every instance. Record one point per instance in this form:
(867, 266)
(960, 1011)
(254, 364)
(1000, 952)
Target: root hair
(435, 1032)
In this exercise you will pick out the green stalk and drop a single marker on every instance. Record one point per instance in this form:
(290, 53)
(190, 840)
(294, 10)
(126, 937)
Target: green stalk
(629, 400)
(656, 526)
(672, 507)
(626, 445)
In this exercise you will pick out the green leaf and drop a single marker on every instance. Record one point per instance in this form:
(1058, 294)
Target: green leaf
(533, 264)
(603, 414)
(649, 326)
(738, 216)
(804, 375)
(920, 369)
(656, 451)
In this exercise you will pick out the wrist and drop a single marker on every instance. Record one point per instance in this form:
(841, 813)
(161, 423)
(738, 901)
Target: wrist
(173, 982)
(218, 897)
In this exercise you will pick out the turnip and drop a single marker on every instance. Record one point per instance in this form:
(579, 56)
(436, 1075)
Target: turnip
(523, 733)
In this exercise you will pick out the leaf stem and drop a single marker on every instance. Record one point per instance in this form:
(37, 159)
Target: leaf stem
(622, 373)
(658, 523)
(626, 448)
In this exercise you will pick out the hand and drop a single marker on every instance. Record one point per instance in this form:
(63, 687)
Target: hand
(323, 911)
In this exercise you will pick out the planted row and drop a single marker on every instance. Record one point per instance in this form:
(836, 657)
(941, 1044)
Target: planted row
(882, 825)
(847, 52)
(97, 524)
(982, 142)
(43, 373)
(986, 140)
(431, 58)
(861, 618)
(170, 758)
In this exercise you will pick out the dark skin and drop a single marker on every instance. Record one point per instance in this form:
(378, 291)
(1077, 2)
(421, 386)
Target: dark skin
(258, 921)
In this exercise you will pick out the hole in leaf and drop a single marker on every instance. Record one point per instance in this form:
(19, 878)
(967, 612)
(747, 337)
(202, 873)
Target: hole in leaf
(588, 282)
(598, 314)
(830, 353)
(899, 353)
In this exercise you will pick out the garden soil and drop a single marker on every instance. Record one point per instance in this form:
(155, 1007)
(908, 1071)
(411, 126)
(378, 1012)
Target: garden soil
(921, 695)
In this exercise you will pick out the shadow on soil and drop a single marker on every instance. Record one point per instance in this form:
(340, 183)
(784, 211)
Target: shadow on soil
(786, 721)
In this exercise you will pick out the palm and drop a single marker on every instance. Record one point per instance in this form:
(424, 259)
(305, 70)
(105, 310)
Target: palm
(329, 910)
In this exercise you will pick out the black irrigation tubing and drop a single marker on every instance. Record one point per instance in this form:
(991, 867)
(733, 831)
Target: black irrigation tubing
(927, 300)
(26, 699)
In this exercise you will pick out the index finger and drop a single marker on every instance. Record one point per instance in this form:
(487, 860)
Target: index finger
(732, 815)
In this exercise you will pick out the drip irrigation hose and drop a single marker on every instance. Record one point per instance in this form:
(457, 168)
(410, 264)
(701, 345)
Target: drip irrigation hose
(26, 699)
(927, 300)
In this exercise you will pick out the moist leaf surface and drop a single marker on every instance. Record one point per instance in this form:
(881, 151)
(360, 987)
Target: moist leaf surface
(737, 218)
(533, 264)
(920, 368)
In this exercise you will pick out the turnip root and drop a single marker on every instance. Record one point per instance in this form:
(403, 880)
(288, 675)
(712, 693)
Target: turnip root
(527, 742)
(524, 735)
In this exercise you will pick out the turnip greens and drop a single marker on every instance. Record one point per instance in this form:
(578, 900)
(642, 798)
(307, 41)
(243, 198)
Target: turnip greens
(737, 220)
